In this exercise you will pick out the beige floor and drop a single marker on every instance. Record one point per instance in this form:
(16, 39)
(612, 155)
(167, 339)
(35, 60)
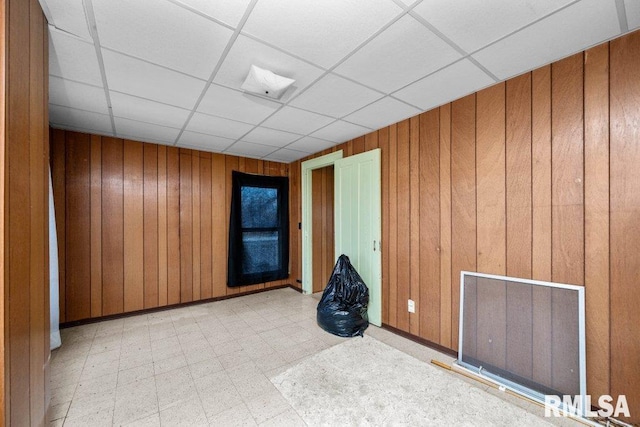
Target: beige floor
(206, 364)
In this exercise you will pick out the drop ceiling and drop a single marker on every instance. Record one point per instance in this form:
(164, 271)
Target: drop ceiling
(170, 71)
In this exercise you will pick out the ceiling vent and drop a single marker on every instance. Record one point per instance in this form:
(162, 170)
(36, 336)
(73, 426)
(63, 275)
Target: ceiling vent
(266, 83)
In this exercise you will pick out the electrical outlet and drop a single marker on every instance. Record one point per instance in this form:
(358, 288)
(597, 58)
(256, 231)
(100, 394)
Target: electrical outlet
(411, 306)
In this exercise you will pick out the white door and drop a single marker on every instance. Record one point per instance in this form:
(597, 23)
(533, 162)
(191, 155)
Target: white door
(358, 221)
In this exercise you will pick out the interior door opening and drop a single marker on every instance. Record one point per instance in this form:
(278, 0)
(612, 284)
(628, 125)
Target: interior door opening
(322, 226)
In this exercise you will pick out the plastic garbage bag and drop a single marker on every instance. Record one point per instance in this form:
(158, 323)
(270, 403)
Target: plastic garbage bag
(342, 310)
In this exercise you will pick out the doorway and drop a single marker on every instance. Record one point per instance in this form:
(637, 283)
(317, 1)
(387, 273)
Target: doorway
(322, 226)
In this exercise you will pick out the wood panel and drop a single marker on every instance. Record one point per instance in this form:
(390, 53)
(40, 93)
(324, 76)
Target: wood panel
(151, 234)
(112, 226)
(463, 200)
(219, 233)
(518, 176)
(567, 170)
(383, 141)
(625, 211)
(186, 227)
(133, 226)
(78, 238)
(206, 242)
(195, 197)
(596, 221)
(24, 158)
(58, 174)
(403, 241)
(393, 225)
(173, 226)
(429, 217)
(445, 226)
(414, 223)
(96, 226)
(162, 227)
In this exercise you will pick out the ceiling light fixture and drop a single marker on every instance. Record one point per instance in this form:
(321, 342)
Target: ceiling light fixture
(266, 83)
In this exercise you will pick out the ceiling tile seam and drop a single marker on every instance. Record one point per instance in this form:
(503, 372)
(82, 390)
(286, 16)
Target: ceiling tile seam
(307, 136)
(60, 126)
(221, 60)
(201, 14)
(353, 52)
(119, 52)
(452, 44)
(93, 30)
(47, 12)
(76, 81)
(517, 30)
(622, 16)
(148, 99)
(68, 33)
(53, 104)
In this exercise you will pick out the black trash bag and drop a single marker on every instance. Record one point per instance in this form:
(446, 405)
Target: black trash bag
(342, 310)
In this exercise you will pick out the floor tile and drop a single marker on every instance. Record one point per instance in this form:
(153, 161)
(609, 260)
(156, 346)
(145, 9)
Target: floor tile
(238, 415)
(186, 413)
(135, 400)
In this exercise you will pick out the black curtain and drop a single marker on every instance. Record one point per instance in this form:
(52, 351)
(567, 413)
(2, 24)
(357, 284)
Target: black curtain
(258, 229)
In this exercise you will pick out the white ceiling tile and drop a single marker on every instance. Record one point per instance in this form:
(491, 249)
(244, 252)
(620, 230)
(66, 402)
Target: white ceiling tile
(143, 110)
(322, 32)
(162, 33)
(217, 126)
(73, 58)
(64, 116)
(68, 15)
(340, 131)
(145, 132)
(276, 138)
(229, 12)
(249, 149)
(382, 113)
(246, 52)
(77, 95)
(632, 9)
(286, 156)
(139, 78)
(335, 96)
(231, 104)
(201, 141)
(446, 85)
(472, 24)
(571, 30)
(297, 121)
(410, 51)
(80, 129)
(309, 144)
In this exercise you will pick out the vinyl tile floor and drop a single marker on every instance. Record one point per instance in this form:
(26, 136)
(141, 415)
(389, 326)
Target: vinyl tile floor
(205, 364)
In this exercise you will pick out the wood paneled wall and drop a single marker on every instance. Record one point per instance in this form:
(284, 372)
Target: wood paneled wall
(322, 228)
(24, 192)
(142, 225)
(534, 177)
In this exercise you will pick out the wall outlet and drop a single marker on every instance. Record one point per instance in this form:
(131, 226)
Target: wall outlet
(411, 306)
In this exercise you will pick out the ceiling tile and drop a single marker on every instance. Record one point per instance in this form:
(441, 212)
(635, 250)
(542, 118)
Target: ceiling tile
(632, 9)
(295, 120)
(68, 15)
(446, 85)
(246, 52)
(569, 31)
(309, 144)
(201, 141)
(77, 95)
(249, 149)
(229, 12)
(340, 131)
(472, 24)
(382, 113)
(286, 156)
(335, 96)
(321, 32)
(217, 126)
(276, 138)
(73, 58)
(231, 104)
(64, 116)
(410, 51)
(143, 110)
(139, 78)
(162, 33)
(145, 132)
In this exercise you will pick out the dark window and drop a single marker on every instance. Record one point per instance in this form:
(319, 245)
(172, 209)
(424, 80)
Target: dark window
(258, 229)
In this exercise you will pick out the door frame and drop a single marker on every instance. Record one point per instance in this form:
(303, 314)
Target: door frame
(307, 242)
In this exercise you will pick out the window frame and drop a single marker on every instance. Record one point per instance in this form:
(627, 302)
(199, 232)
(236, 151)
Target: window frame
(235, 274)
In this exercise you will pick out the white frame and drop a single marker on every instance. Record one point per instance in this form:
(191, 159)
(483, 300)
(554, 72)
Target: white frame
(307, 243)
(525, 391)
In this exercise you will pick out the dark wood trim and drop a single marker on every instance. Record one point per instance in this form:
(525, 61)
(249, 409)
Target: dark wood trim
(421, 341)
